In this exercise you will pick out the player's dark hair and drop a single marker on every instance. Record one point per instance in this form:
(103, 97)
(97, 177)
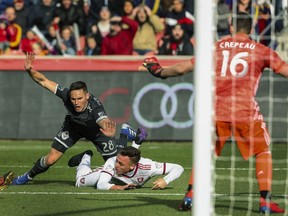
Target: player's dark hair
(242, 21)
(78, 85)
(131, 152)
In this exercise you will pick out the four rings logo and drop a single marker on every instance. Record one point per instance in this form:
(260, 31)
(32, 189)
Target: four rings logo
(169, 97)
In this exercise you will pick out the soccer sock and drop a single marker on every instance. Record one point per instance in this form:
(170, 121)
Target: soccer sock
(122, 141)
(264, 173)
(135, 145)
(190, 185)
(39, 167)
(265, 194)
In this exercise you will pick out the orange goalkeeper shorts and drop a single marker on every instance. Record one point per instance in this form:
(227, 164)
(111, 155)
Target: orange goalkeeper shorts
(252, 138)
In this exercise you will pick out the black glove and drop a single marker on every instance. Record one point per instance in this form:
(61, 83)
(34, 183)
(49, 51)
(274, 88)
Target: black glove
(153, 66)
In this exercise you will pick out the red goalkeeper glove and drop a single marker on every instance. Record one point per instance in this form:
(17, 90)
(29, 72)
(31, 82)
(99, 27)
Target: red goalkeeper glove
(153, 66)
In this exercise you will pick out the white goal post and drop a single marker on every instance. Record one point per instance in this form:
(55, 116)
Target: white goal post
(203, 127)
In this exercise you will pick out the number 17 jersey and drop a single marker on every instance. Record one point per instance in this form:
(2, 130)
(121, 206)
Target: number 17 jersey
(239, 66)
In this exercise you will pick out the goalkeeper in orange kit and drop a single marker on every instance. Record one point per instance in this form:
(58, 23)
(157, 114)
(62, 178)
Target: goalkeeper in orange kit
(239, 64)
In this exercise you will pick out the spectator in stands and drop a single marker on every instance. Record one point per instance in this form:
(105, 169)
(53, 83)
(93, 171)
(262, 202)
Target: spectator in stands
(148, 25)
(14, 31)
(224, 19)
(189, 6)
(154, 5)
(3, 34)
(67, 44)
(247, 6)
(4, 4)
(165, 7)
(92, 48)
(43, 14)
(95, 6)
(27, 41)
(38, 49)
(127, 9)
(51, 37)
(103, 25)
(264, 21)
(66, 14)
(22, 15)
(177, 43)
(178, 15)
(119, 41)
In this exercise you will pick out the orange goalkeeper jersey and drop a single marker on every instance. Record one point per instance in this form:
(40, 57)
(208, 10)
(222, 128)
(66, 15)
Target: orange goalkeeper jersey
(239, 66)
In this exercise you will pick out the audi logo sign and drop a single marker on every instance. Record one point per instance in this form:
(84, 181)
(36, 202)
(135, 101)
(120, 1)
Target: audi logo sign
(169, 98)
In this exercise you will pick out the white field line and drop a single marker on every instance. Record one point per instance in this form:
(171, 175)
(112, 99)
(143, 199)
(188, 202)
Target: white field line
(92, 193)
(227, 195)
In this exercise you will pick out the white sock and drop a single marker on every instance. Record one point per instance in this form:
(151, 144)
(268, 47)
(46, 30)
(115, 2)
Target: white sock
(135, 145)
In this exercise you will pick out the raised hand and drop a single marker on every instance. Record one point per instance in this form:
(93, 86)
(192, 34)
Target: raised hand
(153, 66)
(108, 128)
(28, 64)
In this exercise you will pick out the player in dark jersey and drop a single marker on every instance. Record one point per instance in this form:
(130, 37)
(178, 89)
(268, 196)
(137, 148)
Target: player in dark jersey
(86, 118)
(239, 65)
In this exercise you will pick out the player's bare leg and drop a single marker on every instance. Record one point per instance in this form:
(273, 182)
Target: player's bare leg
(42, 165)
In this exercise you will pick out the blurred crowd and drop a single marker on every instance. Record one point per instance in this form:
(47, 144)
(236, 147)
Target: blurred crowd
(268, 17)
(111, 27)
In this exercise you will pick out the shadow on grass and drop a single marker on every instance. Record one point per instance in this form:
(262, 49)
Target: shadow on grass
(223, 202)
(51, 182)
(145, 201)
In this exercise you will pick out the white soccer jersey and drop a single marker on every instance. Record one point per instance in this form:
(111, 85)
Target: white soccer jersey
(103, 177)
(145, 170)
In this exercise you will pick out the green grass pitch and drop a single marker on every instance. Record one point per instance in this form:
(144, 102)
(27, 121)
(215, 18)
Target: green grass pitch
(53, 192)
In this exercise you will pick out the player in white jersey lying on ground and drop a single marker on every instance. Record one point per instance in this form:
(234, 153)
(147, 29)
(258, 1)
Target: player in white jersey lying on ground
(127, 170)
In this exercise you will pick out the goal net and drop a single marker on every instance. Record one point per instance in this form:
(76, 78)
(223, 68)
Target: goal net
(233, 189)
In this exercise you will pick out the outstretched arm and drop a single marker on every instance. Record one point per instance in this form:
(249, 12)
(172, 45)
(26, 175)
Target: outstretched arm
(152, 65)
(36, 75)
(174, 171)
(284, 71)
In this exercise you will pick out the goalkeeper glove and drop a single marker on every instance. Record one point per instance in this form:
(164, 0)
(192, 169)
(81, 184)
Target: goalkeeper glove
(153, 66)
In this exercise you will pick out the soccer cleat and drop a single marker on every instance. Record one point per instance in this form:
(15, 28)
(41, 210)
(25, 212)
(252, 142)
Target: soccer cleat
(186, 204)
(20, 180)
(6, 180)
(129, 131)
(76, 159)
(267, 207)
(140, 135)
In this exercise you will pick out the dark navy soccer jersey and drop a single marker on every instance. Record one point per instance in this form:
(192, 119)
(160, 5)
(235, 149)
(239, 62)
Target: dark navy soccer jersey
(90, 116)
